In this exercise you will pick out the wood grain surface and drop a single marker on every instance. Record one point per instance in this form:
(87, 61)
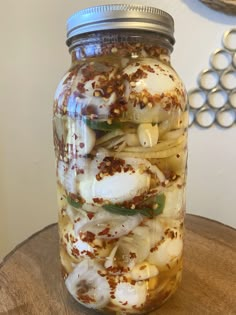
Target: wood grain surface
(30, 281)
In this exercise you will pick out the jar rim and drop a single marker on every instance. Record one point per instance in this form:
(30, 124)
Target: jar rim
(120, 17)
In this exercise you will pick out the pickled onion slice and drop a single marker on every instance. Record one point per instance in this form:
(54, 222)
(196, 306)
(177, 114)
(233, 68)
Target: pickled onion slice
(87, 286)
(110, 226)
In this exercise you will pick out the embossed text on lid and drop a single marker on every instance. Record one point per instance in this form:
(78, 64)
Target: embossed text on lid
(120, 16)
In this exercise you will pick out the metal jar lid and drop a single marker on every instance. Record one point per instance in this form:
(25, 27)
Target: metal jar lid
(120, 16)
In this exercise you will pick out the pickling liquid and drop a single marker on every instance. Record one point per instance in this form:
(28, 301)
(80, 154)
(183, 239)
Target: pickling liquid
(121, 164)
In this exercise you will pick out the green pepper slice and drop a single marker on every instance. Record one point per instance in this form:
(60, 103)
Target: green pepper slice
(73, 203)
(102, 125)
(150, 213)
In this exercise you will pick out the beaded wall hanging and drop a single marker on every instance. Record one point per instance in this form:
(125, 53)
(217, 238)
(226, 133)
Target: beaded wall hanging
(214, 100)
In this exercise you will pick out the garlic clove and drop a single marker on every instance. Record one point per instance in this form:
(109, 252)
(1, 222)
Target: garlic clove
(167, 253)
(129, 296)
(148, 135)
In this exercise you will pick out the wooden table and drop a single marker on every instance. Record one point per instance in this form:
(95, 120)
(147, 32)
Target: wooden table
(30, 282)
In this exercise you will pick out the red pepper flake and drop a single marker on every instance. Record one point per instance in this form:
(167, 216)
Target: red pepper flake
(90, 215)
(116, 270)
(98, 200)
(87, 236)
(132, 255)
(79, 171)
(135, 201)
(157, 245)
(101, 273)
(125, 279)
(75, 136)
(170, 233)
(104, 232)
(139, 74)
(166, 231)
(112, 284)
(81, 145)
(143, 267)
(75, 252)
(85, 298)
(148, 68)
(110, 165)
(118, 107)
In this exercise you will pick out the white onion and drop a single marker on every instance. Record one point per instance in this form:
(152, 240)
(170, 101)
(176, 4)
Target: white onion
(75, 247)
(135, 247)
(132, 139)
(109, 136)
(80, 134)
(118, 225)
(131, 249)
(175, 198)
(66, 177)
(173, 134)
(156, 231)
(87, 286)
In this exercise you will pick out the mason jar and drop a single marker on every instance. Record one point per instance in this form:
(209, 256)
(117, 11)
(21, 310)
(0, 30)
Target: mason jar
(120, 134)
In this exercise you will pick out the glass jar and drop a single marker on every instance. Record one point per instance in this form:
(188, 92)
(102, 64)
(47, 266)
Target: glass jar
(120, 131)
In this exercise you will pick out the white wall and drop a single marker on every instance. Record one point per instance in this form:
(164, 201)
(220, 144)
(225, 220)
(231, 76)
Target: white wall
(34, 57)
